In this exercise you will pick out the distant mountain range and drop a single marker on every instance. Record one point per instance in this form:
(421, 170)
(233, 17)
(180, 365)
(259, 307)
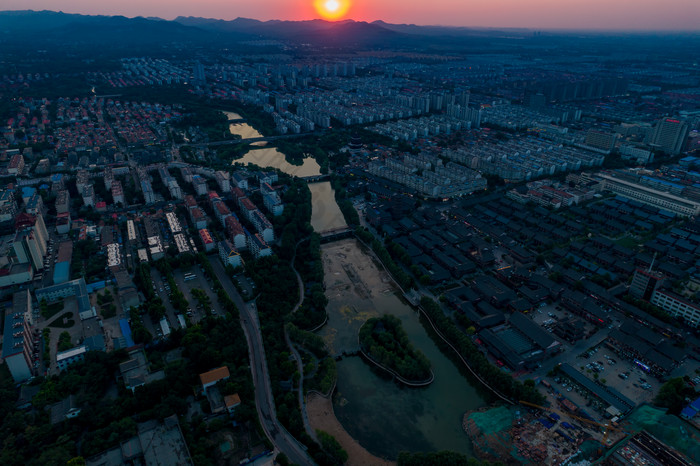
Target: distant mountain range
(51, 25)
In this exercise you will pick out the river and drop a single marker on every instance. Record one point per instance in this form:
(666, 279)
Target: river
(325, 213)
(244, 130)
(268, 156)
(271, 157)
(383, 416)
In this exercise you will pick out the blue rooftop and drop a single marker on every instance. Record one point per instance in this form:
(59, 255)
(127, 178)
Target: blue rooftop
(696, 404)
(126, 331)
(660, 181)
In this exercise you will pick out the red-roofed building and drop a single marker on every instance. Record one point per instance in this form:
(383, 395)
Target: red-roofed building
(248, 208)
(236, 232)
(16, 165)
(190, 201)
(24, 220)
(237, 194)
(210, 378)
(199, 218)
(63, 223)
(221, 211)
(207, 240)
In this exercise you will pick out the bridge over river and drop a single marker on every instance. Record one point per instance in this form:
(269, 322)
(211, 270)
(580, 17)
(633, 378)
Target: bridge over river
(336, 234)
(258, 139)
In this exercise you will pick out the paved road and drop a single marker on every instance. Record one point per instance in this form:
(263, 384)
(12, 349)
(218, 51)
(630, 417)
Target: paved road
(281, 439)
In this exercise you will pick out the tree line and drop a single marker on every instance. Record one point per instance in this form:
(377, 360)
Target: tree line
(497, 379)
(404, 280)
(308, 263)
(344, 204)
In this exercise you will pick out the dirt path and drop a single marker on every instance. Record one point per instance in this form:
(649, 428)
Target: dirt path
(321, 416)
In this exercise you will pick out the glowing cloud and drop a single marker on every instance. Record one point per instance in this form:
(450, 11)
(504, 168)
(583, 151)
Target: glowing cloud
(332, 9)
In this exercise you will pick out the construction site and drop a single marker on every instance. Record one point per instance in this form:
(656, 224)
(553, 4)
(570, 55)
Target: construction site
(521, 435)
(528, 434)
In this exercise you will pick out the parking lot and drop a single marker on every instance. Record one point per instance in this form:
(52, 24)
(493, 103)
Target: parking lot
(201, 282)
(186, 280)
(604, 366)
(245, 285)
(620, 374)
(162, 289)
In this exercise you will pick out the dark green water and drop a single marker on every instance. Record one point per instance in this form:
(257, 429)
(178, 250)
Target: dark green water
(386, 417)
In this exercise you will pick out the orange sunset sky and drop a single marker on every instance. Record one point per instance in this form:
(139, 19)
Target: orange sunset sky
(539, 14)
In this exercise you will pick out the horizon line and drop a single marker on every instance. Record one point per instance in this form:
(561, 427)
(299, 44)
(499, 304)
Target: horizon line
(508, 28)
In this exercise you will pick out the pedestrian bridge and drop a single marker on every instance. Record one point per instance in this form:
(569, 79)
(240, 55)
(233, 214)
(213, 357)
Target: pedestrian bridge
(336, 234)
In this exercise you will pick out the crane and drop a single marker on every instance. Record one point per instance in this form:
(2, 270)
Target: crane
(607, 427)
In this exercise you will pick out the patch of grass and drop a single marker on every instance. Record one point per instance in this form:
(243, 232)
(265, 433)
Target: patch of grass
(64, 342)
(628, 242)
(50, 310)
(58, 323)
(108, 310)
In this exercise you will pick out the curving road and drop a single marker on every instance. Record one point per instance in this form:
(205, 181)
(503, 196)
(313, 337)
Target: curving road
(264, 401)
(295, 353)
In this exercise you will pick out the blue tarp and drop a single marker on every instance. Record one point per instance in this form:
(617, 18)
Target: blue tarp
(92, 287)
(561, 432)
(547, 423)
(28, 191)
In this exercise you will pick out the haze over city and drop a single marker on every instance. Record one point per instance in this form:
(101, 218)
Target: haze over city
(635, 15)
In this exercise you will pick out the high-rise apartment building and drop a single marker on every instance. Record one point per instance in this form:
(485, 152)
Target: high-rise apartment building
(644, 283)
(669, 135)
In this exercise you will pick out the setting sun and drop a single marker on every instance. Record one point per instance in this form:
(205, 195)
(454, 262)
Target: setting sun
(332, 9)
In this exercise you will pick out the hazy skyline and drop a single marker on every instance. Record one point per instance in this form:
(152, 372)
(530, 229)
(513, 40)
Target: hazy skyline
(535, 14)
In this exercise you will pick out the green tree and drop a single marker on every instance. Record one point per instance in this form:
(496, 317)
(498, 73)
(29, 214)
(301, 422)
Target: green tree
(64, 341)
(672, 395)
(386, 342)
(332, 447)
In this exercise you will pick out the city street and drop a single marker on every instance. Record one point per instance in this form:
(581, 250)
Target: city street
(281, 439)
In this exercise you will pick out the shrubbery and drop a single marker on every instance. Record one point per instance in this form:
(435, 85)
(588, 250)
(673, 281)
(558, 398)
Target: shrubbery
(386, 342)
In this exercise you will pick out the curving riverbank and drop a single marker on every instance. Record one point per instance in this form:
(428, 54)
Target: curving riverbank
(408, 383)
(322, 416)
(384, 416)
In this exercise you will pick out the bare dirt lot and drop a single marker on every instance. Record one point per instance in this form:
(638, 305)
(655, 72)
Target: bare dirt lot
(352, 282)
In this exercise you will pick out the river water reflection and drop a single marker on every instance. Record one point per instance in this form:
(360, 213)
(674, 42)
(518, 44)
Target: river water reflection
(325, 213)
(268, 156)
(271, 157)
(383, 416)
